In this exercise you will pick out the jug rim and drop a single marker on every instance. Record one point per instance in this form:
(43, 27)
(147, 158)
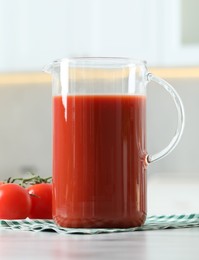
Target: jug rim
(95, 62)
(101, 60)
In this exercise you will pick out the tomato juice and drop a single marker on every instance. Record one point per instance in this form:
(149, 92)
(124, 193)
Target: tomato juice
(99, 169)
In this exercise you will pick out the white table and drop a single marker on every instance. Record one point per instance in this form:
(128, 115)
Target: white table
(173, 244)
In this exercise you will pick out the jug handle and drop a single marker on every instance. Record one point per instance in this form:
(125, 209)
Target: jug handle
(181, 119)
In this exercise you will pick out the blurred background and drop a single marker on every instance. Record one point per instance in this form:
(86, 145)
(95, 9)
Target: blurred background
(165, 33)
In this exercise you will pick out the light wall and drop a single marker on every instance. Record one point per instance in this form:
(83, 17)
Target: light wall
(34, 32)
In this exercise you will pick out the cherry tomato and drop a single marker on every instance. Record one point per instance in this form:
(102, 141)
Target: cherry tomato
(41, 199)
(1, 182)
(15, 202)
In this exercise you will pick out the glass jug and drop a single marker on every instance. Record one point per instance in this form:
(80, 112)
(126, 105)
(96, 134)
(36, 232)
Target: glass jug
(99, 141)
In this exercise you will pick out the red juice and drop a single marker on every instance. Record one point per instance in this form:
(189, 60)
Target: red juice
(99, 170)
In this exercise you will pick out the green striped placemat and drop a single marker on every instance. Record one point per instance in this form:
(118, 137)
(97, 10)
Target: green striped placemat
(152, 223)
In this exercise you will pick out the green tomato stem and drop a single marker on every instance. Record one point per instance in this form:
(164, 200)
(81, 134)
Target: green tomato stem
(34, 179)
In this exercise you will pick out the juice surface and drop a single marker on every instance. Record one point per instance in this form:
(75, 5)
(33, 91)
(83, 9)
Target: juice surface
(99, 171)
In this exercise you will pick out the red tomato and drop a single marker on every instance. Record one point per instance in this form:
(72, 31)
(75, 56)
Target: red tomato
(1, 182)
(15, 202)
(41, 198)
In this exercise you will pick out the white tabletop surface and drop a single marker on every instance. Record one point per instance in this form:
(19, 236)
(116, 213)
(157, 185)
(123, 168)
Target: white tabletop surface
(173, 244)
(171, 195)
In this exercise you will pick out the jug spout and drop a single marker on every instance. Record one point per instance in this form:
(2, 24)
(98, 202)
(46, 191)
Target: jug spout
(48, 68)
